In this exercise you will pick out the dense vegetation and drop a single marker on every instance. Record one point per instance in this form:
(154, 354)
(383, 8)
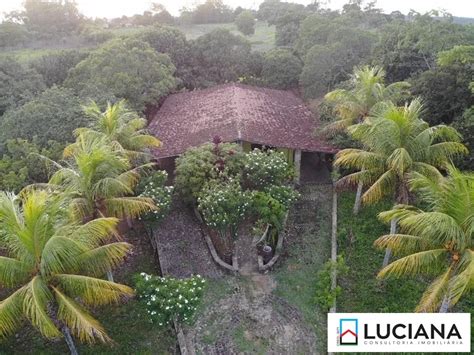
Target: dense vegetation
(398, 96)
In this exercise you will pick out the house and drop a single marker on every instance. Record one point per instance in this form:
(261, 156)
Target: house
(255, 117)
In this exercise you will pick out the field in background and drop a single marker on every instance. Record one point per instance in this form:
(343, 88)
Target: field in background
(263, 39)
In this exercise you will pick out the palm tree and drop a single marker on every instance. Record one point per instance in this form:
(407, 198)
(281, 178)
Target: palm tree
(100, 179)
(439, 240)
(121, 125)
(354, 106)
(397, 143)
(53, 265)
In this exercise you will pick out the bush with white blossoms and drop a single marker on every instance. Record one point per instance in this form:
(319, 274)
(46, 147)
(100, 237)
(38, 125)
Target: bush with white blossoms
(263, 168)
(167, 299)
(223, 205)
(153, 186)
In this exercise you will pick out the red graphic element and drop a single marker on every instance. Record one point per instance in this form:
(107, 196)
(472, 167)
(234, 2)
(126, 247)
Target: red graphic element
(348, 331)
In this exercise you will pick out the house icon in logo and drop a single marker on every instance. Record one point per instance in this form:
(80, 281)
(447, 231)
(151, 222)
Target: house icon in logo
(348, 330)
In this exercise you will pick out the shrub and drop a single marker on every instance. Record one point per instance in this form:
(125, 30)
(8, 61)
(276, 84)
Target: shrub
(167, 299)
(264, 168)
(245, 22)
(153, 186)
(223, 205)
(325, 296)
(268, 209)
(210, 161)
(281, 69)
(286, 195)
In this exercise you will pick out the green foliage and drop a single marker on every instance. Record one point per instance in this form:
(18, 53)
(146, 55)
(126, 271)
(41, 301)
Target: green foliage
(437, 240)
(153, 186)
(406, 48)
(211, 11)
(396, 145)
(284, 194)
(56, 280)
(18, 84)
(264, 168)
(281, 69)
(128, 69)
(54, 67)
(223, 205)
(167, 299)
(445, 91)
(53, 115)
(12, 34)
(465, 126)
(218, 57)
(96, 35)
(207, 162)
(167, 40)
(328, 64)
(245, 22)
(325, 296)
(51, 18)
(268, 210)
(21, 164)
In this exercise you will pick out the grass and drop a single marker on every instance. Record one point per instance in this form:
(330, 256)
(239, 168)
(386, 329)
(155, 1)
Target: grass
(362, 292)
(262, 40)
(126, 323)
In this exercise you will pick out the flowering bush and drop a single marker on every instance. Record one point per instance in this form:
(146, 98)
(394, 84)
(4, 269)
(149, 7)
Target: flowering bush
(210, 161)
(263, 168)
(286, 195)
(223, 205)
(154, 187)
(167, 299)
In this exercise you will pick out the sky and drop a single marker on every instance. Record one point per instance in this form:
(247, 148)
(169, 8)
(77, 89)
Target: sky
(117, 8)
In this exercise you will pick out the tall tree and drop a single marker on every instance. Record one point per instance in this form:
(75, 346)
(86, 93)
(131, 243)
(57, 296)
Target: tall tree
(396, 144)
(53, 266)
(355, 104)
(439, 240)
(100, 180)
(121, 125)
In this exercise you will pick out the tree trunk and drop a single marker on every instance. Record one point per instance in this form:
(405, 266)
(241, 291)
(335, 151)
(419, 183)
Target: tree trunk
(445, 305)
(110, 276)
(69, 341)
(388, 251)
(358, 199)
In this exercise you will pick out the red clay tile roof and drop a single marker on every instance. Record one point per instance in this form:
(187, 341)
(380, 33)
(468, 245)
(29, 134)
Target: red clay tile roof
(235, 112)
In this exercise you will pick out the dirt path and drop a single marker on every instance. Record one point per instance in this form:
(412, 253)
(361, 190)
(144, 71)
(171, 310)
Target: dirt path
(271, 313)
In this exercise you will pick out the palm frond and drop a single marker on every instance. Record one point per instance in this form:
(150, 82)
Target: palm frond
(13, 272)
(122, 207)
(401, 243)
(11, 312)
(384, 185)
(98, 261)
(434, 294)
(93, 291)
(418, 263)
(35, 302)
(81, 324)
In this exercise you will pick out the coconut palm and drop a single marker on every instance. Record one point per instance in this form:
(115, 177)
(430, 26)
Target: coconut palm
(438, 241)
(99, 177)
(354, 105)
(121, 125)
(367, 90)
(397, 143)
(53, 266)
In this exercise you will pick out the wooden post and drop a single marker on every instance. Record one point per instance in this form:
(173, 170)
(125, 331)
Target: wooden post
(334, 246)
(297, 165)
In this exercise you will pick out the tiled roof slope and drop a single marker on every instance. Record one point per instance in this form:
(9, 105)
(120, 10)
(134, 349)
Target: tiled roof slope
(235, 112)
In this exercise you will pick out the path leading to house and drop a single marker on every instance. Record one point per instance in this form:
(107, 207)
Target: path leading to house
(271, 313)
(254, 313)
(181, 247)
